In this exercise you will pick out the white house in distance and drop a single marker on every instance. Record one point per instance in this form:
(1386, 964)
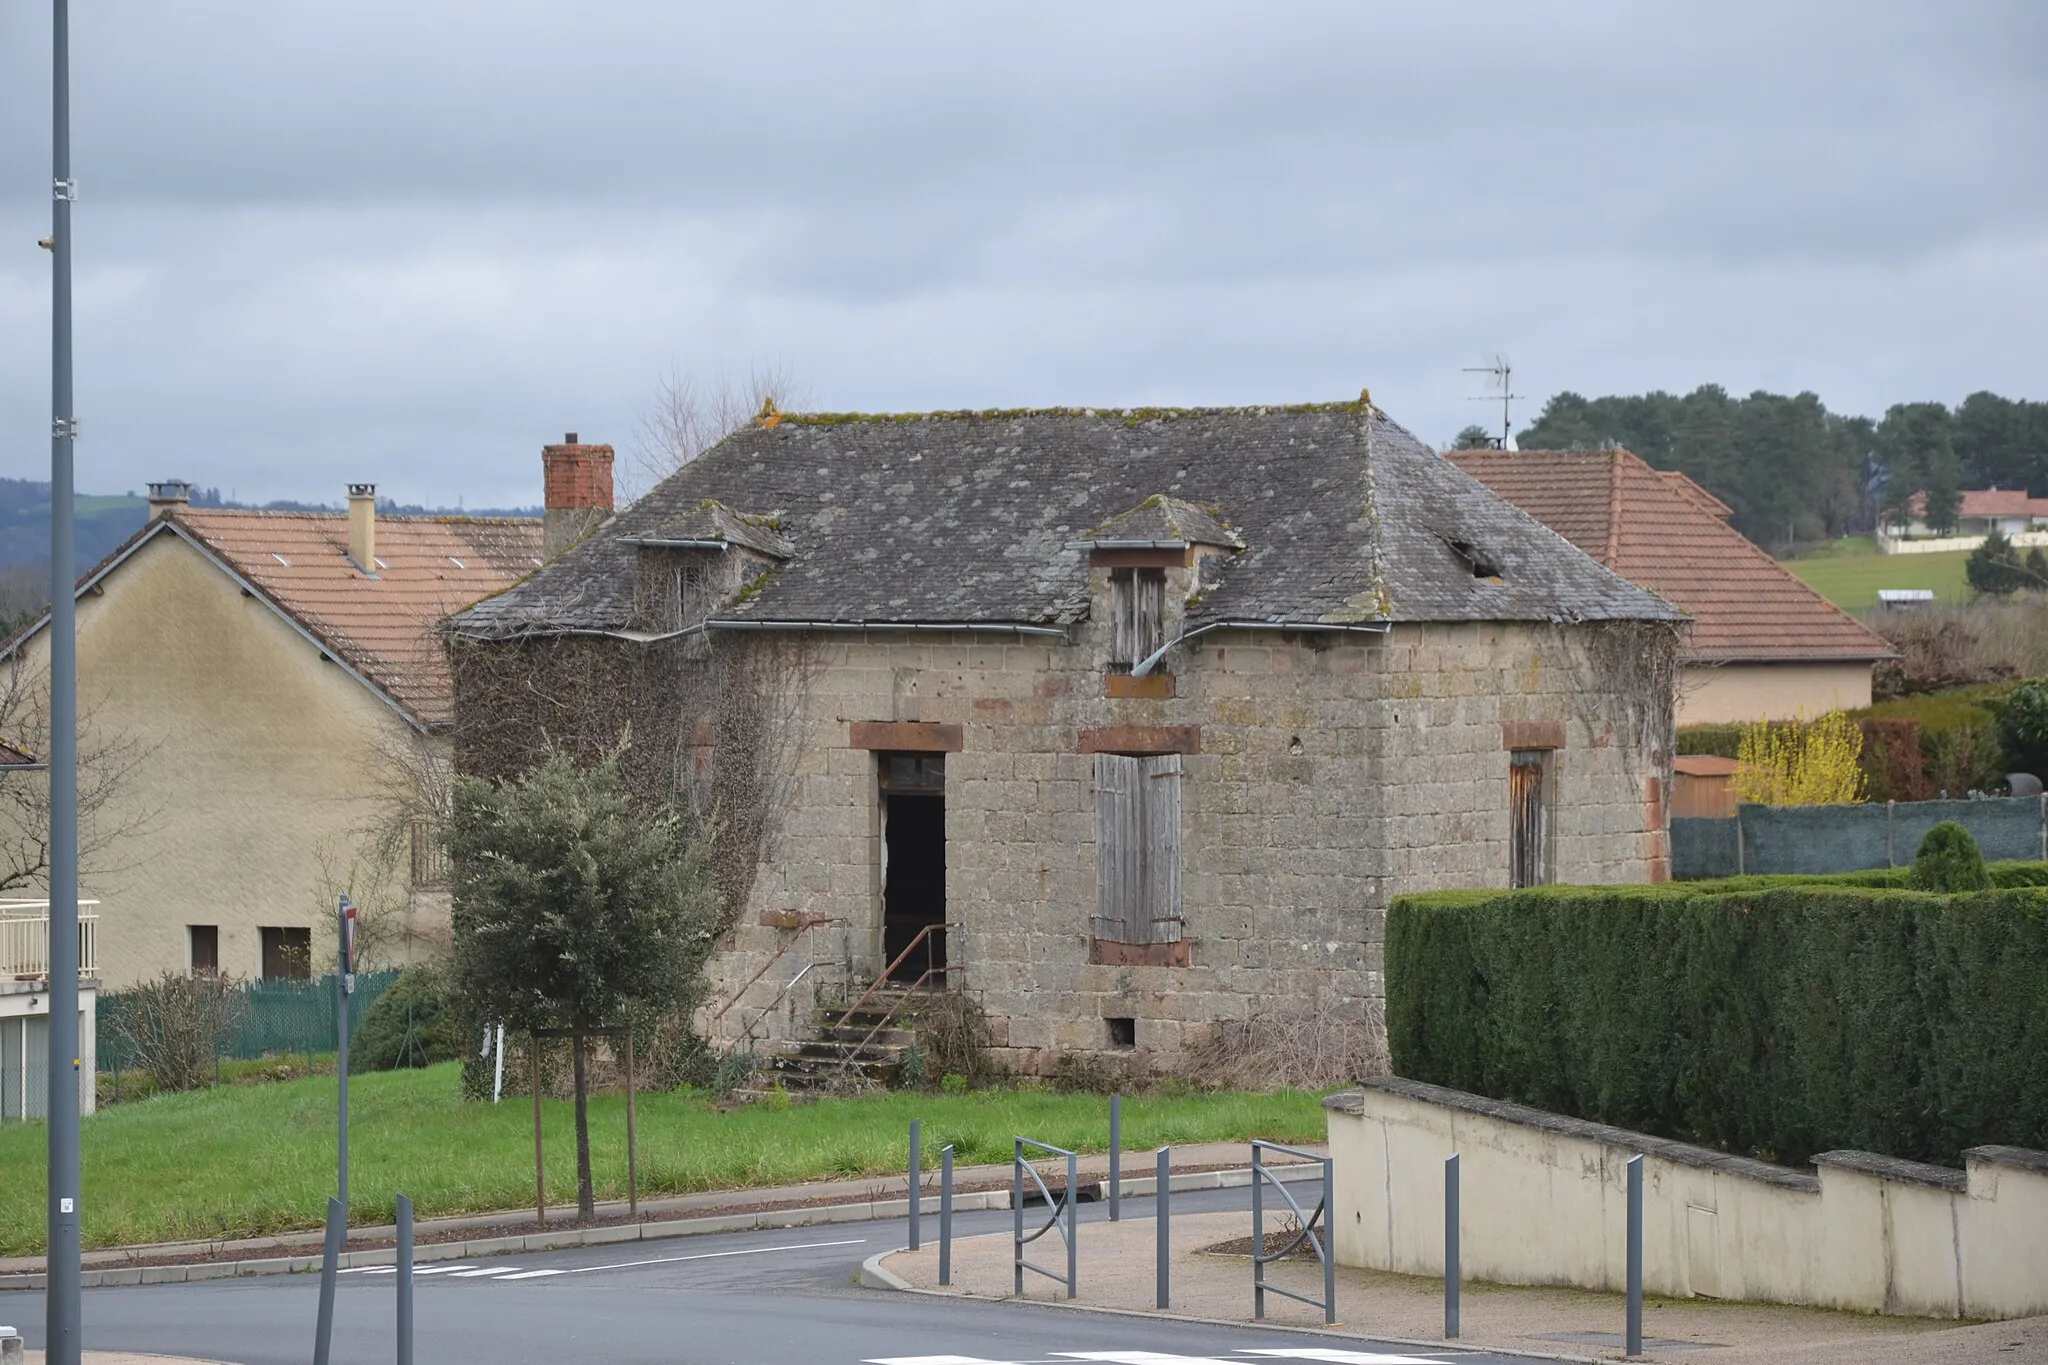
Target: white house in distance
(2020, 518)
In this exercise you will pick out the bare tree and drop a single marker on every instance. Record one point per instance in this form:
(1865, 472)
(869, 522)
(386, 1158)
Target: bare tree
(688, 416)
(107, 760)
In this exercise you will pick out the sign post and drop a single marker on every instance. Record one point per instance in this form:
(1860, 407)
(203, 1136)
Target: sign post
(345, 986)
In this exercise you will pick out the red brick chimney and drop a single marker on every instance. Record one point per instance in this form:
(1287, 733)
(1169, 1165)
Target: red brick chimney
(579, 491)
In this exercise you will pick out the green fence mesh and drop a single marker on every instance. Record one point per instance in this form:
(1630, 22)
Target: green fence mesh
(281, 1017)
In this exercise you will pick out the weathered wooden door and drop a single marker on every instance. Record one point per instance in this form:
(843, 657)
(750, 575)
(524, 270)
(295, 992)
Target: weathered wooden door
(1528, 834)
(1137, 833)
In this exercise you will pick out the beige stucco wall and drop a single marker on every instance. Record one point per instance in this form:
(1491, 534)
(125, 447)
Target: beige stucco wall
(1714, 694)
(256, 778)
(25, 1078)
(1333, 774)
(1547, 1207)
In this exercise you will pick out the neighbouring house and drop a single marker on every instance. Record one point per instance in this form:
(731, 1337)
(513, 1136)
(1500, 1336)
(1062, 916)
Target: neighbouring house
(265, 711)
(1762, 645)
(1126, 723)
(2020, 518)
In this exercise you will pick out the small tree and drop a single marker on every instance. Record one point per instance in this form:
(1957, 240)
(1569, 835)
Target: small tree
(1474, 437)
(1801, 763)
(1996, 568)
(176, 1027)
(574, 906)
(2023, 727)
(1948, 861)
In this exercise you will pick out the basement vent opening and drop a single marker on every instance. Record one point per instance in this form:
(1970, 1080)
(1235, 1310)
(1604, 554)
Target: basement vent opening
(1482, 564)
(1122, 1032)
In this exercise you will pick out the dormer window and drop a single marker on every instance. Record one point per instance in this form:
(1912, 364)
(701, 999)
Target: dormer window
(1137, 608)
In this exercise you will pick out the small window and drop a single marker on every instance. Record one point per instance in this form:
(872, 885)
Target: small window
(1137, 849)
(1123, 1033)
(913, 774)
(429, 858)
(1529, 817)
(287, 954)
(202, 943)
(1137, 607)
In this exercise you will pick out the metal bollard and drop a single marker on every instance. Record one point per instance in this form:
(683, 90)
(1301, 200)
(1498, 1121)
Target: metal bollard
(1073, 1205)
(1329, 1248)
(1635, 1256)
(330, 1266)
(1017, 1213)
(1451, 1273)
(946, 1214)
(1162, 1230)
(1116, 1154)
(916, 1183)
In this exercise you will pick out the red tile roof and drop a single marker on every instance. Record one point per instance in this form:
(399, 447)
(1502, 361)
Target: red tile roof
(1988, 502)
(384, 627)
(1666, 533)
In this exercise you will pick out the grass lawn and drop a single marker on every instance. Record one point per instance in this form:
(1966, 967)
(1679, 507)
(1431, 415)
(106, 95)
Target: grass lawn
(247, 1159)
(1850, 574)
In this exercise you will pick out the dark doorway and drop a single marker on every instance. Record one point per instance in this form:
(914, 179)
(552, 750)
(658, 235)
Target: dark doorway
(913, 791)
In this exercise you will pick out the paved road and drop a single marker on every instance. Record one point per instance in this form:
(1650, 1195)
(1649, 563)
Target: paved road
(784, 1297)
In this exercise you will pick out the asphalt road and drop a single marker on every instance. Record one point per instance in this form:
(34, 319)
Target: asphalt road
(784, 1297)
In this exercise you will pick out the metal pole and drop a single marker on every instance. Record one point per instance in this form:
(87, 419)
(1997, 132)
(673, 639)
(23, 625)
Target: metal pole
(1116, 1149)
(330, 1266)
(62, 1305)
(540, 1183)
(1451, 1269)
(404, 1280)
(916, 1183)
(1635, 1256)
(1329, 1240)
(1017, 1214)
(344, 983)
(946, 1214)
(1162, 1230)
(1073, 1203)
(1258, 1235)
(632, 1138)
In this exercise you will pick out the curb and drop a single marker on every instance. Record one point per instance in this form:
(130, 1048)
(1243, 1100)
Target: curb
(874, 1275)
(866, 1211)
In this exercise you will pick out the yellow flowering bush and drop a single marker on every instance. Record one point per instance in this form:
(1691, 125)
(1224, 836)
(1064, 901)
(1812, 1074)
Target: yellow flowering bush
(1801, 762)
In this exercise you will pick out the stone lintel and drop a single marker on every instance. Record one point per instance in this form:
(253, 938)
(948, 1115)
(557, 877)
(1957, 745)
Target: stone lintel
(1142, 739)
(1532, 734)
(906, 736)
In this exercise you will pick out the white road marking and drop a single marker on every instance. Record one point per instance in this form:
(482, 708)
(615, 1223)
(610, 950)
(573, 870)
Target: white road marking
(1333, 1357)
(532, 1275)
(449, 1268)
(931, 1360)
(1143, 1358)
(672, 1260)
(478, 1272)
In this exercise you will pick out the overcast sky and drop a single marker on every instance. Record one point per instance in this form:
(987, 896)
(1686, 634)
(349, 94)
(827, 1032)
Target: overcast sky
(410, 242)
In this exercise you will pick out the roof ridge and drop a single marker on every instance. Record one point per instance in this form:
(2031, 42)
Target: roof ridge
(1130, 415)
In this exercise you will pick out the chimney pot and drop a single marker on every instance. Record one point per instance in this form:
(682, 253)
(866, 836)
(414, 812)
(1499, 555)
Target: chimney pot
(578, 480)
(569, 438)
(168, 496)
(362, 526)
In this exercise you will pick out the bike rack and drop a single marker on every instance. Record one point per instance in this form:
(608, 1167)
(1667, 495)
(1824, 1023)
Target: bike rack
(1060, 1208)
(1262, 1175)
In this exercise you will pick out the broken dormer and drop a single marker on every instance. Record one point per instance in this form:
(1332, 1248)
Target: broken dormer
(690, 565)
(1152, 559)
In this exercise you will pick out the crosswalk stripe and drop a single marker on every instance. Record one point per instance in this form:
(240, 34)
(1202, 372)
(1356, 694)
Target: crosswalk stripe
(1143, 1358)
(1336, 1357)
(481, 1271)
(449, 1268)
(532, 1274)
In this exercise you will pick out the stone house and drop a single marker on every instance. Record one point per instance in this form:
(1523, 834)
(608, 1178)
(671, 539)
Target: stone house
(265, 705)
(1127, 723)
(1762, 644)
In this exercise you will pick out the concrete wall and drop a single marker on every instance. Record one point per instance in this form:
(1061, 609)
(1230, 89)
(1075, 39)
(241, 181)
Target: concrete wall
(24, 1048)
(1332, 772)
(1921, 542)
(255, 775)
(1545, 1202)
(1720, 694)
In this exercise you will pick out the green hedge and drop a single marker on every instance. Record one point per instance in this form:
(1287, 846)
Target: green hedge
(2006, 876)
(1780, 1022)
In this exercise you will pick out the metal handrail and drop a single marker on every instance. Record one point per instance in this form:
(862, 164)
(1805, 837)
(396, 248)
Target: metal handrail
(882, 980)
(888, 1017)
(1019, 1169)
(770, 963)
(1262, 1175)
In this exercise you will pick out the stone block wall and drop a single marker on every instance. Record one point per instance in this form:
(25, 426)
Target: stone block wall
(1324, 774)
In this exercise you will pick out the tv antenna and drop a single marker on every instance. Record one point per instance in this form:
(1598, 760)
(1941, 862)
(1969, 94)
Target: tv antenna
(1503, 373)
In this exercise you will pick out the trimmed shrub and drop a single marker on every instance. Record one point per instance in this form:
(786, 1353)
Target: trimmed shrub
(1782, 1022)
(2023, 728)
(411, 1024)
(1894, 768)
(1948, 861)
(1719, 741)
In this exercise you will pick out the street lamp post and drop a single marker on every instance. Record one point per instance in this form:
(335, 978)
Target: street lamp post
(61, 1300)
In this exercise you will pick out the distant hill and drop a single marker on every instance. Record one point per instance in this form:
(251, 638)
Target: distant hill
(105, 520)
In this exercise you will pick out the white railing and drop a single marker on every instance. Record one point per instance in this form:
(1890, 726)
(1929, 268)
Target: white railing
(25, 941)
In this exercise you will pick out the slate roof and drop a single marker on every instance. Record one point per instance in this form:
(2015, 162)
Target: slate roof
(1164, 521)
(975, 517)
(713, 525)
(1667, 534)
(383, 628)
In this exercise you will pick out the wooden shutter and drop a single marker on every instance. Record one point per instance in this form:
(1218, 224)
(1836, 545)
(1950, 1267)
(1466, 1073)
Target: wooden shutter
(1528, 830)
(1137, 608)
(1159, 798)
(1119, 840)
